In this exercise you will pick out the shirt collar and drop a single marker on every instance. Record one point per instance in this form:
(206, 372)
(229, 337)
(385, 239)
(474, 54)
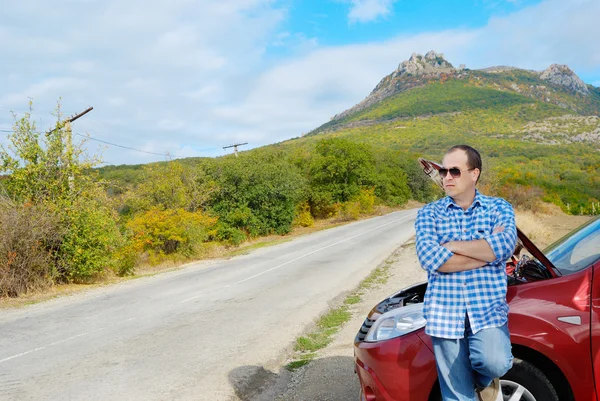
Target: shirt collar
(479, 200)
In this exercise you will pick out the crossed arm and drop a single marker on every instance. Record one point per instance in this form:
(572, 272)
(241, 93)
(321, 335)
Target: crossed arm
(455, 256)
(468, 255)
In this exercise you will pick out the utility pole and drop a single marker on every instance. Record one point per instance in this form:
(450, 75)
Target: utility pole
(235, 147)
(70, 119)
(69, 143)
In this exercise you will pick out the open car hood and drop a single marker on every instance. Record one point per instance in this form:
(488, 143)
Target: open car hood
(431, 169)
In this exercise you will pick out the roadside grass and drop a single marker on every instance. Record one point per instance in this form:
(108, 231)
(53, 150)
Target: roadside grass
(244, 250)
(306, 346)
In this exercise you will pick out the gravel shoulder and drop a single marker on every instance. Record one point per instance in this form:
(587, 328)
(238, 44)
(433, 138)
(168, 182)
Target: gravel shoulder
(331, 377)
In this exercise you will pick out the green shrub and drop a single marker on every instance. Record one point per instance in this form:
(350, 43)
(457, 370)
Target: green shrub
(91, 237)
(51, 172)
(366, 200)
(257, 194)
(229, 235)
(340, 168)
(166, 232)
(303, 216)
(125, 259)
(321, 204)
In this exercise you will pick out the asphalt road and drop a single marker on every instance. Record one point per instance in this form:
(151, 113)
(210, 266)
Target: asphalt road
(190, 333)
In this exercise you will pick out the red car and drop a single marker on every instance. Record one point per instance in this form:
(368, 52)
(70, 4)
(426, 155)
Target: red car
(554, 322)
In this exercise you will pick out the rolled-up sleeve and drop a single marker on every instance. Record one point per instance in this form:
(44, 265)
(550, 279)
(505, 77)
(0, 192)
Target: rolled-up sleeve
(503, 243)
(431, 254)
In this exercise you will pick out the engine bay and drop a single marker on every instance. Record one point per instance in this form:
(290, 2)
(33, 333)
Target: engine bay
(526, 270)
(518, 271)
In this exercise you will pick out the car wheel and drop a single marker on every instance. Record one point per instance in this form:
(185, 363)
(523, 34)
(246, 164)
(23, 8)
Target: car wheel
(525, 382)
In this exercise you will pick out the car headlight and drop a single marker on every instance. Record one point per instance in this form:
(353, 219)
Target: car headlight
(396, 323)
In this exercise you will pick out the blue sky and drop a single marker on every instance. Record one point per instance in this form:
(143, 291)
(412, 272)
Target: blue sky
(187, 77)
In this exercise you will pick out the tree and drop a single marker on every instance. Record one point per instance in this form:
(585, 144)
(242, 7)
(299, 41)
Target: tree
(171, 185)
(49, 171)
(44, 167)
(340, 168)
(391, 179)
(257, 193)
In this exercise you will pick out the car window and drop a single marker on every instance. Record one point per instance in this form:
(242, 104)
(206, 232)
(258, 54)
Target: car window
(588, 247)
(578, 250)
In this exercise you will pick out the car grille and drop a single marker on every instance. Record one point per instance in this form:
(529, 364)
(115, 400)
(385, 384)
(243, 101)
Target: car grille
(364, 329)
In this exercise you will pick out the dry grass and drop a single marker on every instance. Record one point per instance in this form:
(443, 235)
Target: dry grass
(548, 224)
(531, 224)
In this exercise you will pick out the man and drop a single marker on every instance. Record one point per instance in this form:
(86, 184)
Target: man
(463, 241)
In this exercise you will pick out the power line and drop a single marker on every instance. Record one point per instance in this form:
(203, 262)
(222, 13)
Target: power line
(122, 146)
(138, 150)
(125, 147)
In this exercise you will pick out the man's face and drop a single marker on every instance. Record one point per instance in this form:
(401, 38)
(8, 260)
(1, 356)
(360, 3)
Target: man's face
(457, 186)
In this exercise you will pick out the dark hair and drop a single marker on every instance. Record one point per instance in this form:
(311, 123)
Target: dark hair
(473, 156)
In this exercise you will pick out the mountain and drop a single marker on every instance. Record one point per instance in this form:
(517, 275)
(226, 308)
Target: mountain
(410, 91)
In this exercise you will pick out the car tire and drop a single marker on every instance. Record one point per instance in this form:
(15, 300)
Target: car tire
(533, 379)
(522, 374)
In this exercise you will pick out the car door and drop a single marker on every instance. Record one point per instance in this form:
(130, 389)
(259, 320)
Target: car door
(595, 326)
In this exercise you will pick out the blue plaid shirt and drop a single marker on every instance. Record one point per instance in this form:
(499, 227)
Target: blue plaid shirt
(480, 293)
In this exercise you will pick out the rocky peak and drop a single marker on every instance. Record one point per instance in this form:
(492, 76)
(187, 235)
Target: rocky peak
(562, 75)
(410, 73)
(417, 64)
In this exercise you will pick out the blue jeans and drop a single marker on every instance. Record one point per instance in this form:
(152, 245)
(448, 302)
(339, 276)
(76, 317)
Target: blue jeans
(472, 361)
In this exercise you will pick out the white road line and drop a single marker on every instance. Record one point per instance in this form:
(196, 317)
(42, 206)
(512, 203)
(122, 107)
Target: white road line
(191, 298)
(22, 353)
(62, 341)
(320, 249)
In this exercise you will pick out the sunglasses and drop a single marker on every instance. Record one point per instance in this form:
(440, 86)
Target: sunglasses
(454, 171)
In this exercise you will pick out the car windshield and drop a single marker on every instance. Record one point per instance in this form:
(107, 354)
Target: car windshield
(577, 250)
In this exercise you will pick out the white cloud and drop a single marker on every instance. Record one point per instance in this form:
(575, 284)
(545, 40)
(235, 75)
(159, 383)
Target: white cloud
(369, 10)
(149, 68)
(186, 76)
(530, 38)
